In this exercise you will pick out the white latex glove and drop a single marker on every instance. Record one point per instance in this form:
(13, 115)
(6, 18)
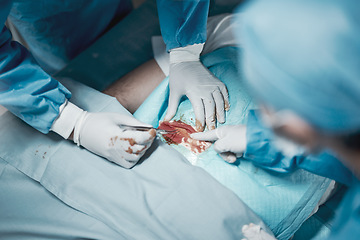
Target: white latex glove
(207, 94)
(100, 133)
(255, 232)
(229, 141)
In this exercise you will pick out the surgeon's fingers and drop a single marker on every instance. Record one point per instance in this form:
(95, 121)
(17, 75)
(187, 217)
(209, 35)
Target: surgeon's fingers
(209, 105)
(124, 159)
(138, 137)
(129, 164)
(134, 153)
(174, 99)
(210, 136)
(128, 145)
(129, 150)
(145, 137)
(225, 94)
(219, 103)
(131, 156)
(255, 232)
(198, 107)
(121, 161)
(228, 157)
(222, 145)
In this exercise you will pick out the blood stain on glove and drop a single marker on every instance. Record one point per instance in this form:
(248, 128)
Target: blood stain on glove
(112, 141)
(130, 140)
(182, 136)
(199, 126)
(129, 150)
(152, 133)
(227, 106)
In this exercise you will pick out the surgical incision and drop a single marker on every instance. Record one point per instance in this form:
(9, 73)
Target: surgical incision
(182, 136)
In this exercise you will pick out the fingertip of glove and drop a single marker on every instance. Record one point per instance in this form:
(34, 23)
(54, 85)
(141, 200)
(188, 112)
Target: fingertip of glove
(212, 127)
(196, 136)
(228, 157)
(128, 165)
(199, 126)
(231, 159)
(227, 106)
(152, 133)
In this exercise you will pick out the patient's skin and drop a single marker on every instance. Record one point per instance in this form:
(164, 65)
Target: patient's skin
(132, 89)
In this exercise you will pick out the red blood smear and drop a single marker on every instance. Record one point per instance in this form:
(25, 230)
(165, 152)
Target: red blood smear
(182, 136)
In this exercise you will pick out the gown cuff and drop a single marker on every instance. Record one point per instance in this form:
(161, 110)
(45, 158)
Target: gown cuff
(65, 122)
(186, 54)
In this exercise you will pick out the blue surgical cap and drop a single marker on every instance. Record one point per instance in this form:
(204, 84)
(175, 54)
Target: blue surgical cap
(304, 55)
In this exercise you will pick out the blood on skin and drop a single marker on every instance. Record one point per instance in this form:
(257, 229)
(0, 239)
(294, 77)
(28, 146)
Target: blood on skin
(182, 136)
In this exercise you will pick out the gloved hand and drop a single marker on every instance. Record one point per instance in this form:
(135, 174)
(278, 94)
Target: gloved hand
(255, 232)
(101, 134)
(207, 94)
(230, 140)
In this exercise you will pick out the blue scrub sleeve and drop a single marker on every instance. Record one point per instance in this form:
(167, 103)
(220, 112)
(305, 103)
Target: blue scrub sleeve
(183, 22)
(25, 89)
(264, 154)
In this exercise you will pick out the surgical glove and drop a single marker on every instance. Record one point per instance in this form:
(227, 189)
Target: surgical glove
(255, 232)
(101, 133)
(229, 141)
(207, 94)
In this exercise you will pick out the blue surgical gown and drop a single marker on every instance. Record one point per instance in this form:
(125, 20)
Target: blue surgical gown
(56, 31)
(262, 153)
(183, 22)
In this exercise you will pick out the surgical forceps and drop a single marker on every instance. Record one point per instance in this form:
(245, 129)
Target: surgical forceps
(143, 128)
